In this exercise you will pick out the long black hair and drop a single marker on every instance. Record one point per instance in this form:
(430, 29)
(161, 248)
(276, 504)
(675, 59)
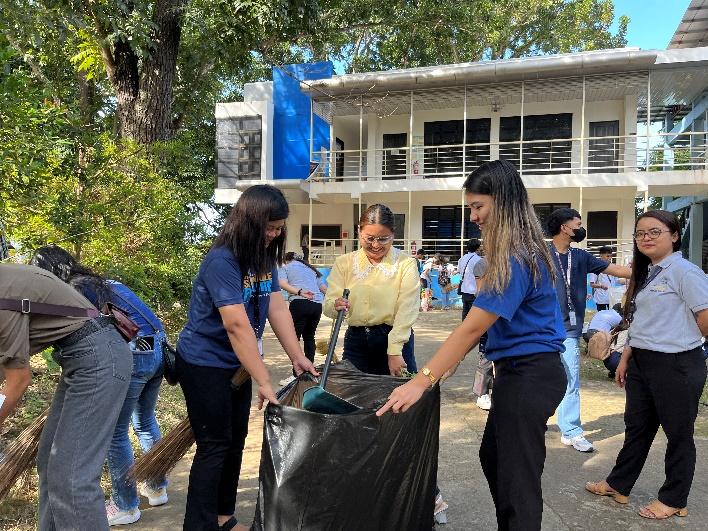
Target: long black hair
(245, 228)
(512, 228)
(641, 262)
(290, 256)
(62, 264)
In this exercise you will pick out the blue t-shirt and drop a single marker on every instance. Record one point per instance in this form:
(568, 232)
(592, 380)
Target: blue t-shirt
(219, 282)
(529, 316)
(582, 263)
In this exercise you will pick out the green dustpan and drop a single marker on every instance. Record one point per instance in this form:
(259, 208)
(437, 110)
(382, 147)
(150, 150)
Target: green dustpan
(316, 399)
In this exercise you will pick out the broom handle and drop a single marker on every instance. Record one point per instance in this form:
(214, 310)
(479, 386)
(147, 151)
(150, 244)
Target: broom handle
(239, 378)
(333, 342)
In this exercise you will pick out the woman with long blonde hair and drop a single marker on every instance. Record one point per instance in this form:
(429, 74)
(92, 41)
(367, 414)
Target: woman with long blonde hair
(517, 305)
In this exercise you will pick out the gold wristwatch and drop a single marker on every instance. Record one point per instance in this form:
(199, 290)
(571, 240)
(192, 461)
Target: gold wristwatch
(430, 376)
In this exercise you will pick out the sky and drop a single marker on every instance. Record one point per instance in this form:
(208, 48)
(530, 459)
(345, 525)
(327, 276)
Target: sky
(652, 22)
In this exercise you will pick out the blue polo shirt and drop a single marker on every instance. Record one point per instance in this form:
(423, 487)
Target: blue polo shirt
(529, 315)
(582, 263)
(220, 282)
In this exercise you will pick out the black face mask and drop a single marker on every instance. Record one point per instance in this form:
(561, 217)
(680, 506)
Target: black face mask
(579, 235)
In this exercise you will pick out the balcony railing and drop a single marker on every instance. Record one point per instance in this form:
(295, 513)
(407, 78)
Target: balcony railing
(324, 251)
(610, 154)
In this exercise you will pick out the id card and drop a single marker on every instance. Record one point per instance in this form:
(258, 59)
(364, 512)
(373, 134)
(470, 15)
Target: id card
(573, 318)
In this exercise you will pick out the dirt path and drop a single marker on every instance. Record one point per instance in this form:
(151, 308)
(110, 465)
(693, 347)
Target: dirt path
(567, 505)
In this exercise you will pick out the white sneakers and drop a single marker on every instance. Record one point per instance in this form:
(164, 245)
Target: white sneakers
(485, 402)
(439, 511)
(118, 517)
(286, 381)
(580, 443)
(155, 496)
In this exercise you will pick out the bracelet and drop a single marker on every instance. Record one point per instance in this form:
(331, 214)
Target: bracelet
(299, 292)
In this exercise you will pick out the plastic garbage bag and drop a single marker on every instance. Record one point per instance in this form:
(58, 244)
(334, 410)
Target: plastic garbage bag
(348, 472)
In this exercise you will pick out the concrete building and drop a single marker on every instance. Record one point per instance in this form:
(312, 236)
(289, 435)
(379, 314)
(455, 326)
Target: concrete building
(592, 130)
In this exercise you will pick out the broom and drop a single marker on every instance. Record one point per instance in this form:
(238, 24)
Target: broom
(168, 451)
(20, 455)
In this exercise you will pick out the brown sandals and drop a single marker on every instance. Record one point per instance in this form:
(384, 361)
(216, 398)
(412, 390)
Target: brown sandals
(601, 488)
(660, 511)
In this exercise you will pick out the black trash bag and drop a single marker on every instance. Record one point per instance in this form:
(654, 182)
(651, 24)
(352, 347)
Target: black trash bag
(348, 472)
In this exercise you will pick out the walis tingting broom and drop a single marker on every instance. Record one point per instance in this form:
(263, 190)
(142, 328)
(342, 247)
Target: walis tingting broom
(157, 462)
(20, 455)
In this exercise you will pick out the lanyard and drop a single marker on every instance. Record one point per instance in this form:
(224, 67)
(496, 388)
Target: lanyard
(633, 304)
(566, 276)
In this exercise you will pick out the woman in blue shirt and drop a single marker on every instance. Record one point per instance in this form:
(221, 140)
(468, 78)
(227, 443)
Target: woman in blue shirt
(234, 291)
(518, 308)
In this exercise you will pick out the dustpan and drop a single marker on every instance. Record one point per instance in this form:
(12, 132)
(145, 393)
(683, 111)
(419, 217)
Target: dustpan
(317, 399)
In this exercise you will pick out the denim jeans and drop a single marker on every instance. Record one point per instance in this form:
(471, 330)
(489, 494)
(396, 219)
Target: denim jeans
(138, 407)
(73, 446)
(367, 348)
(569, 409)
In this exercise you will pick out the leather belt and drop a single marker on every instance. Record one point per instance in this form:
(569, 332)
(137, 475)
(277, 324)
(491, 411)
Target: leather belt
(94, 325)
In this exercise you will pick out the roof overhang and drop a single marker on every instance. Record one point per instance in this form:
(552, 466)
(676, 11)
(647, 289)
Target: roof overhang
(692, 31)
(506, 71)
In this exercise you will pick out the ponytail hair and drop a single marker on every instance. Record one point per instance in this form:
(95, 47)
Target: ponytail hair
(290, 256)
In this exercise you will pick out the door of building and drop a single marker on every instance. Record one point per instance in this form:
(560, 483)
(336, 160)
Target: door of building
(603, 147)
(394, 158)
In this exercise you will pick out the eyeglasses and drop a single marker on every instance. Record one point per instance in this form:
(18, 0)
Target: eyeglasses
(652, 233)
(381, 240)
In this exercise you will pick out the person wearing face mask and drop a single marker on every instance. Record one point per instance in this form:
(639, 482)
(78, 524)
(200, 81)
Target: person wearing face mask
(572, 266)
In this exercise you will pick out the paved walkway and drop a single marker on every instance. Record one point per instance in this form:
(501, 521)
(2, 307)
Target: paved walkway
(567, 505)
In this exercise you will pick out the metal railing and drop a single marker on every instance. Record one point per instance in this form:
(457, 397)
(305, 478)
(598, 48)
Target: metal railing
(324, 252)
(608, 154)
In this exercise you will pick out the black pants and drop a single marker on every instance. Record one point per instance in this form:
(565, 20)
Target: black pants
(219, 417)
(306, 253)
(601, 307)
(467, 302)
(306, 316)
(367, 348)
(662, 390)
(527, 390)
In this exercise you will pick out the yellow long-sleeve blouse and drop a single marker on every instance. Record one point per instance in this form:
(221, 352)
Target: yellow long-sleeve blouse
(386, 293)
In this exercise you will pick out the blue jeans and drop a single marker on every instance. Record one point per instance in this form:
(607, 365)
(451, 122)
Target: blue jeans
(139, 406)
(569, 409)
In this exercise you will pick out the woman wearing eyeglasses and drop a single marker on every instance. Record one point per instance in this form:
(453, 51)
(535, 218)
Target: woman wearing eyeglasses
(383, 303)
(662, 368)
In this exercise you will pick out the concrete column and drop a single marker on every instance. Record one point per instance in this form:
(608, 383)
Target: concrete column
(695, 245)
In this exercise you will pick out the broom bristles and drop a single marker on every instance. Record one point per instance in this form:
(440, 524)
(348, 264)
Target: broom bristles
(21, 454)
(168, 451)
(164, 455)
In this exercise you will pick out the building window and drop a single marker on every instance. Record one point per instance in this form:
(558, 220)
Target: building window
(604, 147)
(443, 146)
(394, 155)
(239, 146)
(445, 223)
(543, 212)
(547, 151)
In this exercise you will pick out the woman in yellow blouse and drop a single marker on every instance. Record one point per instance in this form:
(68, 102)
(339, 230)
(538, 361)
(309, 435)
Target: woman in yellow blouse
(384, 299)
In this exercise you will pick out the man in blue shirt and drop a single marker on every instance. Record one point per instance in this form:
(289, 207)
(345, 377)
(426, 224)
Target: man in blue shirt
(572, 268)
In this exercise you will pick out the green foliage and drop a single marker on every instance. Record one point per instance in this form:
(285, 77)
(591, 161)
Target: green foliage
(371, 35)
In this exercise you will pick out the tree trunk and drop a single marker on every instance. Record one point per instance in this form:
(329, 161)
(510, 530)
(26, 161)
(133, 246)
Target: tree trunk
(144, 92)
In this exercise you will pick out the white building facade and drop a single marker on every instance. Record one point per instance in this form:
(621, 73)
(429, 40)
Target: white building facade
(593, 131)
